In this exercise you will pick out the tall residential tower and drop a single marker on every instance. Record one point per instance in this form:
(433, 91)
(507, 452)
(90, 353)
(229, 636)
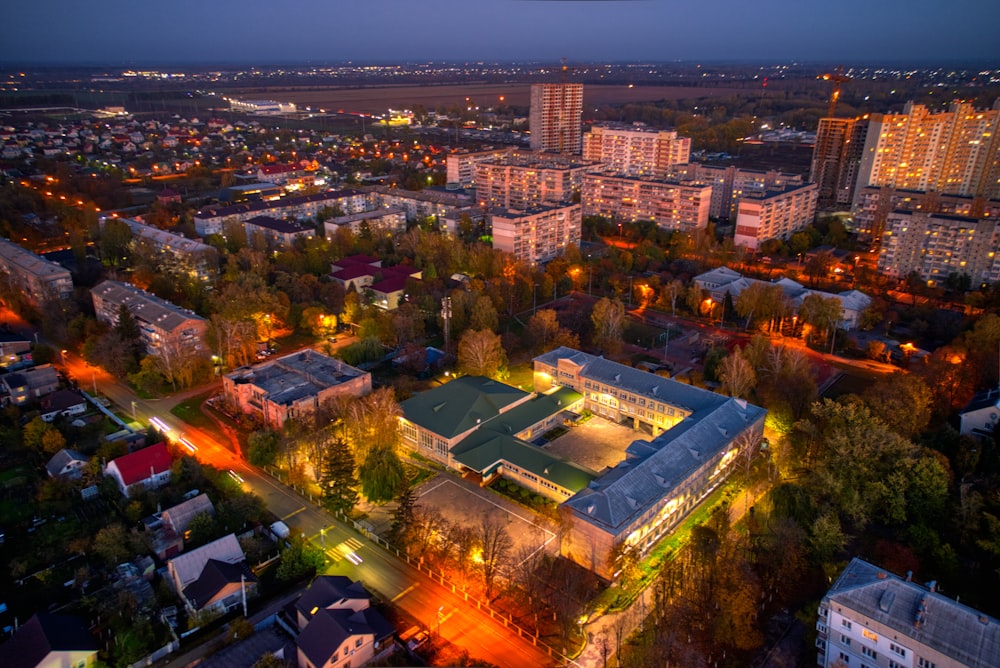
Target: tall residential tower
(556, 116)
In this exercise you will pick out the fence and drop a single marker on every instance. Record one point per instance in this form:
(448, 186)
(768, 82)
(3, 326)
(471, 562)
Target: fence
(167, 649)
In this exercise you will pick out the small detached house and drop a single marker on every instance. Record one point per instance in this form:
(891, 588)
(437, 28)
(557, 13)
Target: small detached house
(50, 641)
(980, 416)
(213, 578)
(173, 530)
(148, 468)
(66, 465)
(63, 403)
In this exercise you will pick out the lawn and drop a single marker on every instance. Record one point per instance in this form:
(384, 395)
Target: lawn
(522, 376)
(189, 410)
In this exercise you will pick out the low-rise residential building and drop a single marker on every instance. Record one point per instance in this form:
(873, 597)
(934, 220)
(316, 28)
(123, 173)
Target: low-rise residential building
(179, 255)
(277, 232)
(384, 287)
(871, 617)
(15, 352)
(387, 221)
(292, 387)
(50, 641)
(66, 465)
(420, 205)
(63, 403)
(774, 214)
(671, 205)
(697, 436)
(635, 150)
(212, 220)
(168, 539)
(979, 417)
(337, 625)
(27, 385)
(538, 234)
(37, 278)
(148, 468)
(522, 179)
(165, 329)
(214, 578)
(937, 245)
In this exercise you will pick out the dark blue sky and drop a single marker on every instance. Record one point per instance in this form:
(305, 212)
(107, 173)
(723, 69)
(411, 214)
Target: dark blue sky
(277, 31)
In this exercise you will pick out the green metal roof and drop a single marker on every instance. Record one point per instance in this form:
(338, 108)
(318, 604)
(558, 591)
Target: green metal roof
(482, 450)
(460, 405)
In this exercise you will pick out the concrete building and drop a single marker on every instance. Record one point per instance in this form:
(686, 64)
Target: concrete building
(952, 152)
(461, 166)
(292, 387)
(276, 232)
(697, 436)
(730, 183)
(635, 150)
(50, 641)
(520, 180)
(556, 116)
(179, 256)
(671, 205)
(261, 107)
(420, 204)
(774, 214)
(836, 159)
(212, 220)
(937, 245)
(538, 234)
(873, 204)
(165, 329)
(872, 618)
(37, 278)
(388, 221)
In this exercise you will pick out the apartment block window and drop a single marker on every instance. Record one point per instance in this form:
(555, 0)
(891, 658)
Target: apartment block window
(893, 647)
(846, 623)
(844, 640)
(845, 658)
(869, 652)
(893, 664)
(925, 663)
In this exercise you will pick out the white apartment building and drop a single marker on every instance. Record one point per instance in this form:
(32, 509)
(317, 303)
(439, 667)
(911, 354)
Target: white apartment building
(774, 214)
(181, 256)
(935, 245)
(671, 205)
(461, 166)
(635, 150)
(538, 234)
(37, 278)
(521, 180)
(871, 618)
(730, 183)
(556, 117)
(164, 327)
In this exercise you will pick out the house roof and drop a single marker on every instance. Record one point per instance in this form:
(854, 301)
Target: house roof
(328, 629)
(280, 225)
(964, 634)
(145, 307)
(61, 459)
(327, 590)
(143, 464)
(214, 577)
(60, 400)
(180, 516)
(42, 634)
(460, 405)
(293, 377)
(188, 566)
(986, 399)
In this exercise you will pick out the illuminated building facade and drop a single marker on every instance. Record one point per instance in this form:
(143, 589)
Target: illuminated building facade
(556, 117)
(538, 234)
(672, 206)
(461, 166)
(730, 183)
(179, 256)
(873, 618)
(635, 150)
(521, 180)
(39, 279)
(774, 214)
(836, 158)
(936, 245)
(696, 437)
(165, 328)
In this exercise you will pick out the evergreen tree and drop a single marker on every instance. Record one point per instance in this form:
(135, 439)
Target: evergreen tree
(337, 477)
(404, 517)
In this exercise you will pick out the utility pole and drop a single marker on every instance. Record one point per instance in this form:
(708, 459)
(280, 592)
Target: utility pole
(446, 315)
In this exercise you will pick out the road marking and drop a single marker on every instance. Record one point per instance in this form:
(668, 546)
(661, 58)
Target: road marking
(293, 513)
(404, 592)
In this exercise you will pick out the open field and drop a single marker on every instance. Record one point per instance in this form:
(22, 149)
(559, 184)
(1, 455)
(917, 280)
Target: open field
(378, 99)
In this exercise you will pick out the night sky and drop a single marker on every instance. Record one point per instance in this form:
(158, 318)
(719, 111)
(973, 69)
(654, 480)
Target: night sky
(293, 31)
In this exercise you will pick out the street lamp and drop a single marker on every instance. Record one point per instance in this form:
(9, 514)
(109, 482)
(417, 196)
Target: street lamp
(133, 410)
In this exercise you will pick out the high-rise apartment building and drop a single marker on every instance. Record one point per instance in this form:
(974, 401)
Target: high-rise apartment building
(954, 152)
(635, 150)
(873, 618)
(936, 245)
(538, 234)
(836, 158)
(774, 214)
(522, 179)
(462, 165)
(874, 204)
(730, 183)
(556, 116)
(671, 205)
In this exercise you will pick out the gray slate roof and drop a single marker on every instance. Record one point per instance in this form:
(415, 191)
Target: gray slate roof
(145, 307)
(296, 376)
(960, 632)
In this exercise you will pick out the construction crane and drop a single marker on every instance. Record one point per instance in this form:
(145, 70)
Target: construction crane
(837, 77)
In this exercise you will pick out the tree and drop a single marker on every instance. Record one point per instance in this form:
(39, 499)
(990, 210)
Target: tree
(760, 300)
(337, 476)
(299, 560)
(544, 332)
(403, 517)
(608, 318)
(381, 475)
(738, 377)
(670, 293)
(481, 353)
(484, 315)
(111, 544)
(203, 529)
(902, 401)
(821, 313)
(495, 545)
(262, 447)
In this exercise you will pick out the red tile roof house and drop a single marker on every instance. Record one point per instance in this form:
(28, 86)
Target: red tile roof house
(361, 272)
(146, 468)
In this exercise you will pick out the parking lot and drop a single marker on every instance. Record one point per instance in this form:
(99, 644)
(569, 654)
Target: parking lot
(596, 444)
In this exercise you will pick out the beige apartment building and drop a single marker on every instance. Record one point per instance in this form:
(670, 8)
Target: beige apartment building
(635, 150)
(179, 255)
(556, 117)
(730, 183)
(461, 166)
(522, 179)
(538, 234)
(774, 214)
(671, 205)
(936, 245)
(39, 279)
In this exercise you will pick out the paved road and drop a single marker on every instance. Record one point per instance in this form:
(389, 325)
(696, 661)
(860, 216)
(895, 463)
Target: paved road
(431, 604)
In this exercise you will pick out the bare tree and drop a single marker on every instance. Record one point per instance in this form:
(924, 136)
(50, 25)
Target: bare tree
(495, 545)
(738, 377)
